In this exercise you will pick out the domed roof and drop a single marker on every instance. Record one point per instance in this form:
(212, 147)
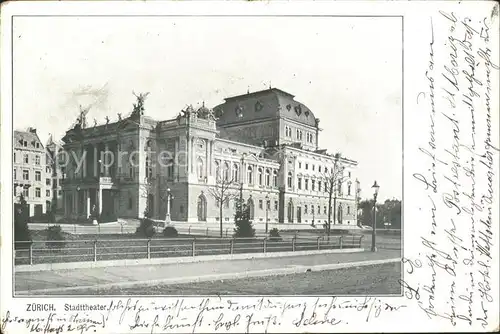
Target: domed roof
(269, 103)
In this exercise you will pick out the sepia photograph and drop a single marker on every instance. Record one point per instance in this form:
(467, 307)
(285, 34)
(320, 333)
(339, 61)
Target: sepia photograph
(203, 155)
(249, 167)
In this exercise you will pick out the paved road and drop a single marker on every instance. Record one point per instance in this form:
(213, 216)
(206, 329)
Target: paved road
(366, 280)
(29, 281)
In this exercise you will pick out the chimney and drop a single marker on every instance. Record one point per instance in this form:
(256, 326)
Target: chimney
(32, 130)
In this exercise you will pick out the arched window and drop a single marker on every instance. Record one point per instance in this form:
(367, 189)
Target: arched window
(217, 170)
(250, 175)
(149, 168)
(268, 177)
(289, 180)
(251, 208)
(200, 168)
(275, 178)
(259, 175)
(235, 173)
(226, 171)
(202, 208)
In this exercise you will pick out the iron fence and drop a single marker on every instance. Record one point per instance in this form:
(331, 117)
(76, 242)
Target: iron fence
(36, 252)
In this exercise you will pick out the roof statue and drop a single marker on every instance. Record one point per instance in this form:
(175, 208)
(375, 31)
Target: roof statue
(139, 106)
(119, 116)
(189, 110)
(81, 121)
(107, 120)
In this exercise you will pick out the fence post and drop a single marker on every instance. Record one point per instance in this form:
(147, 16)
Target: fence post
(99, 228)
(264, 245)
(189, 230)
(231, 247)
(194, 247)
(74, 228)
(30, 255)
(207, 231)
(121, 228)
(95, 250)
(149, 249)
(361, 240)
(318, 243)
(341, 242)
(226, 232)
(293, 243)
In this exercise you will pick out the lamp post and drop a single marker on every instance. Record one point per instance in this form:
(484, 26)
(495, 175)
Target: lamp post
(169, 198)
(267, 211)
(374, 227)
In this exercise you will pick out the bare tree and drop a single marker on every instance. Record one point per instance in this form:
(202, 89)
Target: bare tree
(223, 192)
(333, 178)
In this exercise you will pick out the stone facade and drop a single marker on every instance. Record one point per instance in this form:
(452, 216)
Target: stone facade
(31, 175)
(259, 145)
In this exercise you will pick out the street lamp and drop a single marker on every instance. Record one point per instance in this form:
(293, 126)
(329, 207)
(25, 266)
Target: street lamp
(169, 198)
(267, 210)
(374, 227)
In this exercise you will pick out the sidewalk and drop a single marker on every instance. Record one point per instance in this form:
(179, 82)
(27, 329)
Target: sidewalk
(75, 279)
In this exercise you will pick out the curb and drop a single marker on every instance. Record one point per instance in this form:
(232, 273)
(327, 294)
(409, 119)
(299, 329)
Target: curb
(173, 260)
(214, 277)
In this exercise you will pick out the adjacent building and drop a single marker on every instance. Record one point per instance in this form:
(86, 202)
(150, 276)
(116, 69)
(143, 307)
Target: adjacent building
(30, 175)
(263, 146)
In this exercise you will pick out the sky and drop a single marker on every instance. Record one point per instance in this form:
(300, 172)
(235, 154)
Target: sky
(346, 70)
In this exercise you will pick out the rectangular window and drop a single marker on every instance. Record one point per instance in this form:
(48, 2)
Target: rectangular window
(131, 172)
(299, 183)
(59, 192)
(319, 168)
(319, 185)
(15, 174)
(47, 182)
(319, 210)
(38, 192)
(306, 183)
(307, 166)
(305, 209)
(26, 159)
(38, 176)
(324, 210)
(313, 168)
(313, 182)
(130, 203)
(47, 193)
(14, 157)
(260, 204)
(26, 174)
(300, 164)
(276, 205)
(37, 160)
(26, 192)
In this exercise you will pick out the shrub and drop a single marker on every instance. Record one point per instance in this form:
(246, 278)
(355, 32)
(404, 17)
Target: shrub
(274, 235)
(146, 229)
(55, 238)
(21, 219)
(244, 228)
(170, 232)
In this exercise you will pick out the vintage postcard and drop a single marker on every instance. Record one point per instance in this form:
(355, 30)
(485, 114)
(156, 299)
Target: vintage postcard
(249, 167)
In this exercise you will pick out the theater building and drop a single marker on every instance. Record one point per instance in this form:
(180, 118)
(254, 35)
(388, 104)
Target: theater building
(262, 145)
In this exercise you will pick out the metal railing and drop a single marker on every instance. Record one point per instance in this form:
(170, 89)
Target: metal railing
(37, 252)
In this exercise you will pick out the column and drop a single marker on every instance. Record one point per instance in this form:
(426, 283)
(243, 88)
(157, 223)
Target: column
(207, 159)
(192, 154)
(65, 204)
(87, 198)
(188, 155)
(176, 157)
(95, 162)
(100, 200)
(106, 159)
(84, 163)
(75, 195)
